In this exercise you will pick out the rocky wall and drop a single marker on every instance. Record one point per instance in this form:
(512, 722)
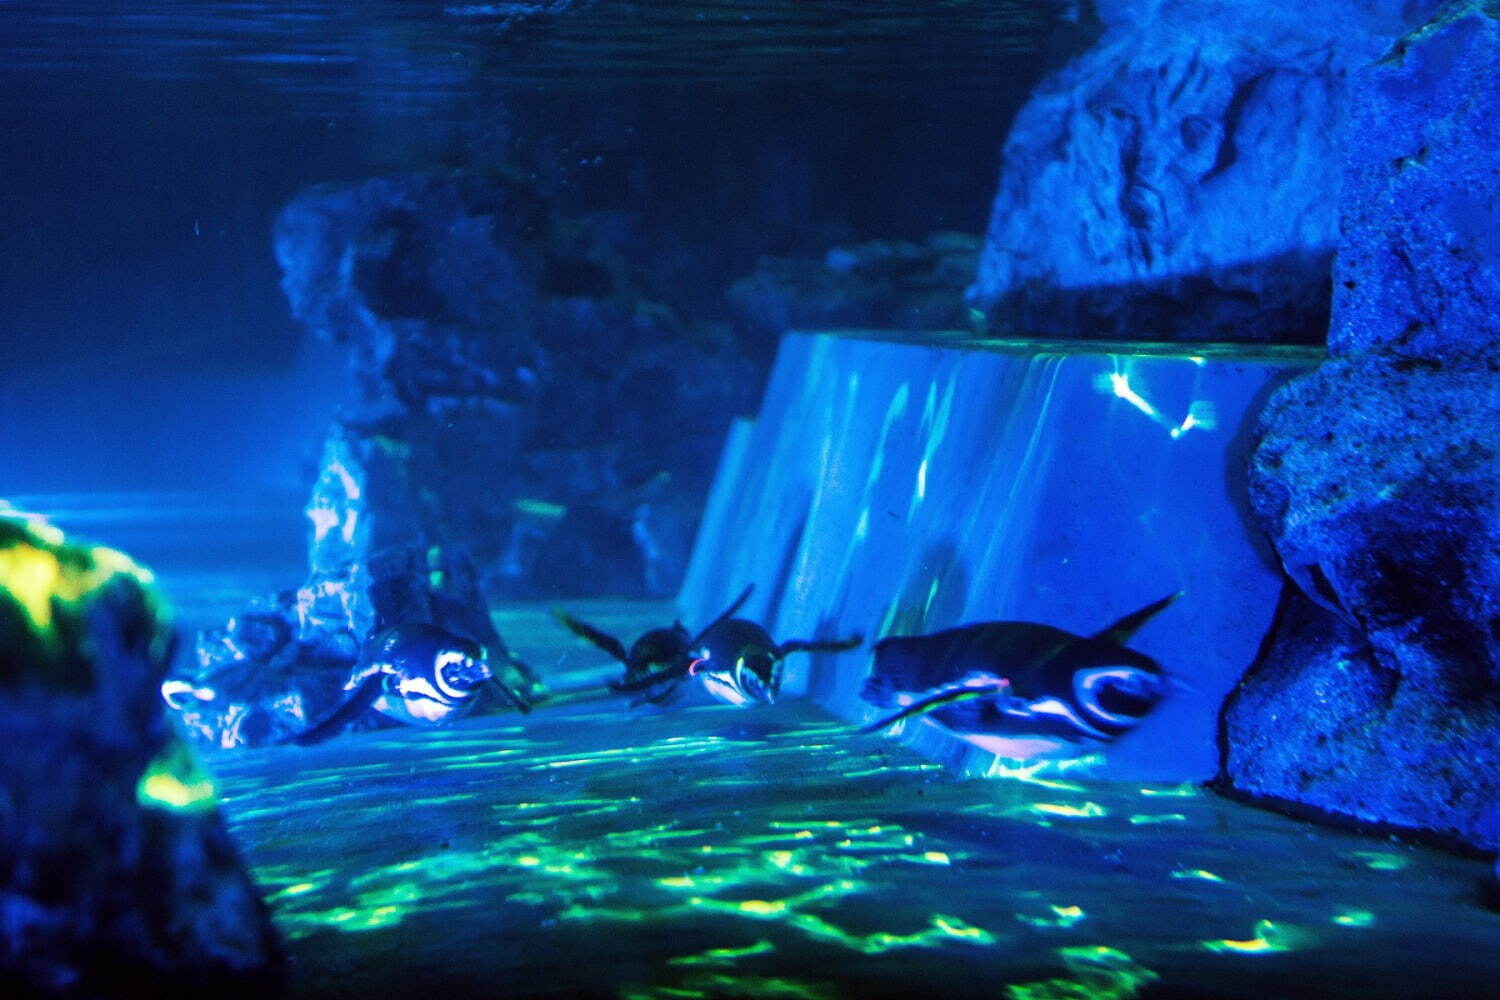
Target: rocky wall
(1377, 476)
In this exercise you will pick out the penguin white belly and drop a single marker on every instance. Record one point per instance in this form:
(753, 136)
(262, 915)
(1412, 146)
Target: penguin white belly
(415, 701)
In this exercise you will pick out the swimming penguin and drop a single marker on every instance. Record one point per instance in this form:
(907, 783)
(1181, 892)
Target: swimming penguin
(648, 656)
(421, 675)
(736, 659)
(1014, 678)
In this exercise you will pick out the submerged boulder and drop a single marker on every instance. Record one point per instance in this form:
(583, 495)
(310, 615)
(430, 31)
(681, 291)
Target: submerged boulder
(1179, 180)
(117, 876)
(511, 360)
(881, 284)
(1377, 475)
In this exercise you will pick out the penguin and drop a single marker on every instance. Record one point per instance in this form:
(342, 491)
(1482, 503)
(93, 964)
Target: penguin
(417, 674)
(1011, 678)
(735, 659)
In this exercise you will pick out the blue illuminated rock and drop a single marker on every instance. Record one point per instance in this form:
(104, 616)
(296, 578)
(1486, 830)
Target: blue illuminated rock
(526, 392)
(117, 876)
(1377, 476)
(899, 488)
(1179, 181)
(882, 284)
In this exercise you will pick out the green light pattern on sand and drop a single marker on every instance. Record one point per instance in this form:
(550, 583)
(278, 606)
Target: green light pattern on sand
(1268, 938)
(1089, 810)
(1381, 861)
(725, 956)
(1097, 973)
(1355, 918)
(1062, 916)
(723, 852)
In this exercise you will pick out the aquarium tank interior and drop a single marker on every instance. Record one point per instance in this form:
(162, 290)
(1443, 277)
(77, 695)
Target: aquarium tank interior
(775, 499)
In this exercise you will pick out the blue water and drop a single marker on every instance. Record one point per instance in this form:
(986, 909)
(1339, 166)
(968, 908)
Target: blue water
(159, 398)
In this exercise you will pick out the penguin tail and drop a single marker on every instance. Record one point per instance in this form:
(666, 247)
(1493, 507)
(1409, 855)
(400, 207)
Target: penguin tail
(1121, 631)
(725, 615)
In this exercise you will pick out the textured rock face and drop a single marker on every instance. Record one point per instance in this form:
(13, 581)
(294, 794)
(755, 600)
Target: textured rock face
(524, 398)
(1179, 181)
(1378, 475)
(886, 285)
(117, 876)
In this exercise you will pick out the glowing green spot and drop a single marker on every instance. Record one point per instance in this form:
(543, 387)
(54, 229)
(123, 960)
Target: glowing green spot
(1028, 774)
(763, 907)
(725, 956)
(1355, 918)
(1158, 818)
(174, 781)
(677, 882)
(1173, 791)
(1099, 973)
(1089, 810)
(1196, 873)
(936, 858)
(956, 928)
(528, 860)
(1381, 861)
(539, 508)
(1062, 916)
(296, 890)
(1268, 939)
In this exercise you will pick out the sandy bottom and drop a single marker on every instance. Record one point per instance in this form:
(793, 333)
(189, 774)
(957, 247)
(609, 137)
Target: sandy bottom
(588, 851)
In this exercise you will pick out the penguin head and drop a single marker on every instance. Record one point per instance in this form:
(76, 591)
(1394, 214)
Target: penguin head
(1118, 695)
(459, 669)
(751, 677)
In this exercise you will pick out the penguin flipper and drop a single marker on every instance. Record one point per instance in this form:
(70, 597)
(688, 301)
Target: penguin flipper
(818, 645)
(1121, 631)
(582, 629)
(644, 681)
(724, 615)
(943, 696)
(348, 710)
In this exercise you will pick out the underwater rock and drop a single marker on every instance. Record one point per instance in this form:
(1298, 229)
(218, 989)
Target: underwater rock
(1418, 267)
(119, 877)
(882, 284)
(1179, 181)
(1321, 726)
(260, 677)
(1377, 475)
(273, 669)
(492, 335)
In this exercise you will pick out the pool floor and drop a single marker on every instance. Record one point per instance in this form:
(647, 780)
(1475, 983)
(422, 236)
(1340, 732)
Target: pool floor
(590, 851)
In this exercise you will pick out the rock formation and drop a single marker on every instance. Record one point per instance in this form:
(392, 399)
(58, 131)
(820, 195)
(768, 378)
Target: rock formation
(117, 876)
(1377, 476)
(1179, 180)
